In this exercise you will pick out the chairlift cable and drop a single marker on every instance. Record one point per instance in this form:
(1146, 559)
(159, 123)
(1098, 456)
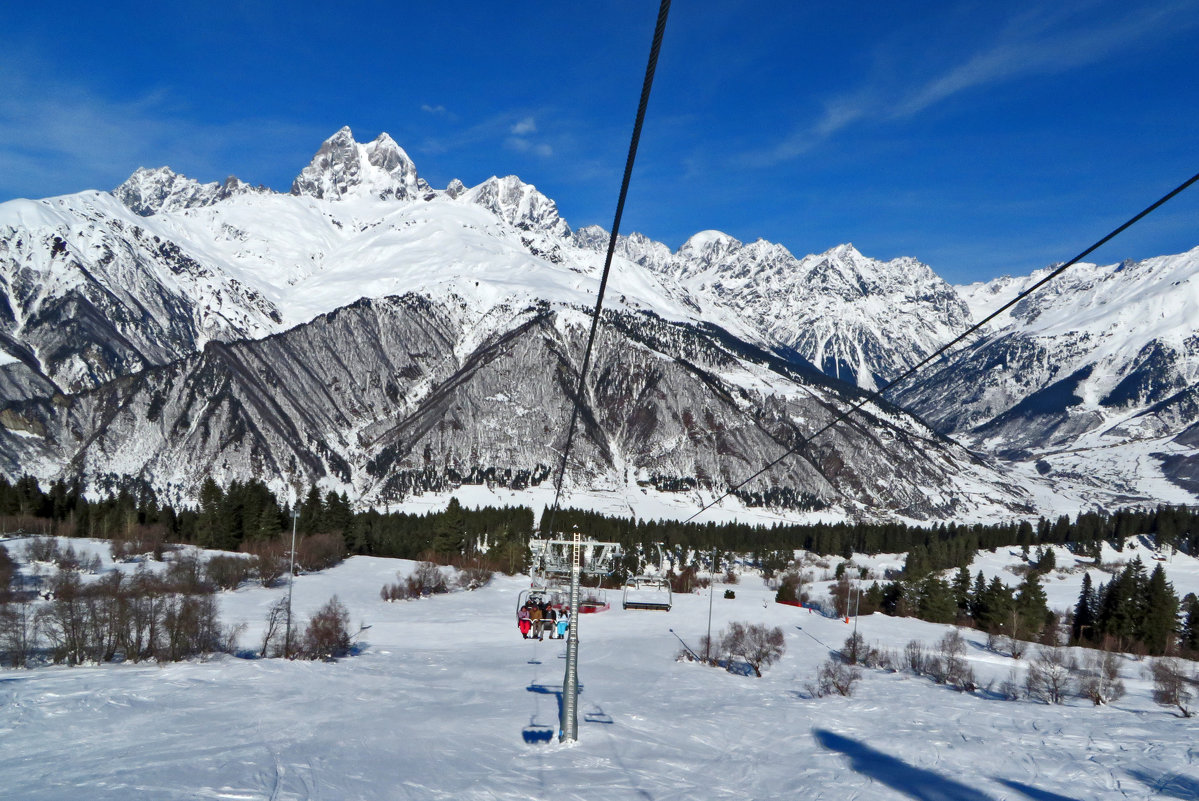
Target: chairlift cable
(647, 85)
(945, 348)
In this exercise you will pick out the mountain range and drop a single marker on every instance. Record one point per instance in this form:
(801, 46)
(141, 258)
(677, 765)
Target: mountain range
(394, 341)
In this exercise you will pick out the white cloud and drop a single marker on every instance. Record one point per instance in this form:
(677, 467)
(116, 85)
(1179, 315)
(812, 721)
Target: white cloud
(58, 137)
(437, 111)
(1031, 44)
(523, 145)
(524, 127)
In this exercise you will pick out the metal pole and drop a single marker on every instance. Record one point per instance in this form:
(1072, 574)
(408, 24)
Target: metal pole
(857, 606)
(291, 577)
(568, 730)
(711, 582)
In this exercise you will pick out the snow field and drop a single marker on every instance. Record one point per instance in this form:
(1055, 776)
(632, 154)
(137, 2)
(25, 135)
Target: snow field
(445, 694)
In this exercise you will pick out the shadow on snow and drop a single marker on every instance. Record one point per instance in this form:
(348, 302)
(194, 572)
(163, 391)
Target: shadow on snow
(918, 783)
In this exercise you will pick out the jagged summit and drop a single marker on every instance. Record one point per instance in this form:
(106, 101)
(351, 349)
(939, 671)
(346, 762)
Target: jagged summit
(520, 204)
(150, 191)
(344, 168)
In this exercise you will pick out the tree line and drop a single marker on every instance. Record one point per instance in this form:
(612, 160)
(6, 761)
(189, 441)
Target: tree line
(1137, 611)
(249, 512)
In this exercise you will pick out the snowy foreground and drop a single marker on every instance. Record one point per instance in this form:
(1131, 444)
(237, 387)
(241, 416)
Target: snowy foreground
(446, 701)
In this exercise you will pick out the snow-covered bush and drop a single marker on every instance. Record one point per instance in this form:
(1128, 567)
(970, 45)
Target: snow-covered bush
(1009, 688)
(137, 541)
(472, 578)
(395, 591)
(427, 579)
(42, 549)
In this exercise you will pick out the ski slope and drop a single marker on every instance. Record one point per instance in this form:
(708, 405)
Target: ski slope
(444, 697)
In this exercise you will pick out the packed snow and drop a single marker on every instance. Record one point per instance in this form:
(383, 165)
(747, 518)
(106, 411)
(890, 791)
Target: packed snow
(445, 701)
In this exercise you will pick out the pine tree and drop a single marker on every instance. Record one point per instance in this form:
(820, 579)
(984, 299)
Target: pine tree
(1160, 613)
(1120, 605)
(935, 601)
(978, 596)
(1047, 562)
(1190, 628)
(996, 607)
(1084, 612)
(449, 530)
(268, 526)
(312, 512)
(208, 519)
(961, 590)
(1031, 605)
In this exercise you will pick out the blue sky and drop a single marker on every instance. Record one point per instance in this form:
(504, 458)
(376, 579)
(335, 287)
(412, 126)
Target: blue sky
(982, 138)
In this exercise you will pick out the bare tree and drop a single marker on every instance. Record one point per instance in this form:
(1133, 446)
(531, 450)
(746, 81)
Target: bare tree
(1049, 674)
(915, 658)
(834, 676)
(328, 632)
(1171, 685)
(18, 636)
(1100, 680)
(276, 618)
(759, 645)
(955, 670)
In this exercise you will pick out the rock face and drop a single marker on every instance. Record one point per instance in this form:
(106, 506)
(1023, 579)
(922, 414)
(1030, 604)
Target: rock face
(384, 397)
(520, 205)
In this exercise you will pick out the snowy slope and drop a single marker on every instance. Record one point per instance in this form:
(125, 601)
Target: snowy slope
(445, 693)
(1093, 372)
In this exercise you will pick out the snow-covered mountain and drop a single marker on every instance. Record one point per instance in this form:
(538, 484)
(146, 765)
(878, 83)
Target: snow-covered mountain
(391, 397)
(174, 329)
(92, 291)
(1096, 371)
(855, 318)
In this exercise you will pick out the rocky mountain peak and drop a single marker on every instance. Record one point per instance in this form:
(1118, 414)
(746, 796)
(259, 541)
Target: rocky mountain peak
(150, 191)
(707, 248)
(520, 204)
(342, 167)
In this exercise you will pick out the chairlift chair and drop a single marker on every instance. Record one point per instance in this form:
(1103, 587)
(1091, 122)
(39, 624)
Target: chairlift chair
(647, 592)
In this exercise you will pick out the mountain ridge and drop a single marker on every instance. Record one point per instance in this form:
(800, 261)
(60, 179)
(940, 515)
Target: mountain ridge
(165, 267)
